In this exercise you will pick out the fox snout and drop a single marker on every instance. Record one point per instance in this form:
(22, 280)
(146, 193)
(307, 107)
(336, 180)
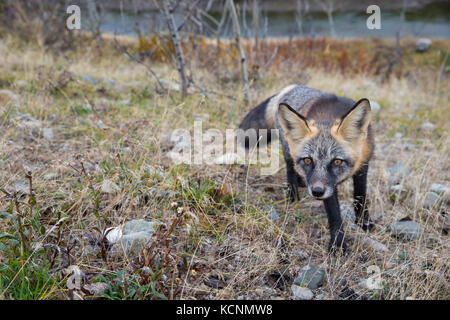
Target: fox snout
(320, 191)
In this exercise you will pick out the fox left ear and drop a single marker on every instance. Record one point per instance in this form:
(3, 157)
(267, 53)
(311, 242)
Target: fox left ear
(294, 126)
(354, 124)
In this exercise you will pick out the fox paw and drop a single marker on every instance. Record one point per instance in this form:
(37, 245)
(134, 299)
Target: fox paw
(366, 224)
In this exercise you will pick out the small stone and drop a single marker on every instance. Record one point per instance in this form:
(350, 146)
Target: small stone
(301, 293)
(50, 176)
(397, 188)
(22, 187)
(423, 44)
(27, 121)
(431, 200)
(375, 106)
(110, 81)
(7, 96)
(409, 230)
(101, 125)
(427, 126)
(89, 79)
(109, 187)
(375, 245)
(398, 135)
(273, 215)
(310, 275)
(47, 133)
(399, 168)
(21, 84)
(96, 289)
(301, 254)
(347, 213)
(394, 180)
(442, 190)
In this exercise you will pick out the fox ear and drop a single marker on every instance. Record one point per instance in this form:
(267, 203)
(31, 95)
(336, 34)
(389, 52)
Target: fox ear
(354, 124)
(293, 124)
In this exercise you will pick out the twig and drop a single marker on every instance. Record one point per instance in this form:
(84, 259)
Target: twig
(162, 89)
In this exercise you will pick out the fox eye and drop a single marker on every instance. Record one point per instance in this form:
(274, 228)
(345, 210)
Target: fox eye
(337, 162)
(307, 160)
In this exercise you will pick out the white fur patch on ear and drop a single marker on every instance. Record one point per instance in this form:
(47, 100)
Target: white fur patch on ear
(354, 124)
(294, 127)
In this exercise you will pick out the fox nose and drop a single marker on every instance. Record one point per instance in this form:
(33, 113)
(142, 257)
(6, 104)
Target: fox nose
(318, 191)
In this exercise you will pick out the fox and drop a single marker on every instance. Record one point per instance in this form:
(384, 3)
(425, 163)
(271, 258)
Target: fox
(326, 139)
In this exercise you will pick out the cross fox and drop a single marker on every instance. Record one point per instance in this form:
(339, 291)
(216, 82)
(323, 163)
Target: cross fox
(325, 139)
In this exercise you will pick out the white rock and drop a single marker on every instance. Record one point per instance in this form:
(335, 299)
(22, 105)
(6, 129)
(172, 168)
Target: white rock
(109, 187)
(375, 245)
(432, 199)
(47, 133)
(427, 126)
(301, 293)
(423, 44)
(113, 235)
(50, 176)
(101, 125)
(442, 190)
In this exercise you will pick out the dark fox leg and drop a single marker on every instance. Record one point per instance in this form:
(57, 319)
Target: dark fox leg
(293, 180)
(335, 223)
(293, 177)
(360, 203)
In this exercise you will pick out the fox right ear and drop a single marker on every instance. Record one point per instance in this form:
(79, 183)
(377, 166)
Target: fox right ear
(294, 126)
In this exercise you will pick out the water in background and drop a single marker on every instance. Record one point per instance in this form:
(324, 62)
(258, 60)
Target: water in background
(430, 21)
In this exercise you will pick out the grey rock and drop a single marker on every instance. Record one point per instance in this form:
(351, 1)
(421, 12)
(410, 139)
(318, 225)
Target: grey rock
(50, 176)
(89, 79)
(375, 245)
(409, 230)
(136, 234)
(165, 194)
(109, 187)
(397, 188)
(427, 126)
(375, 106)
(432, 199)
(439, 188)
(273, 215)
(301, 254)
(423, 44)
(110, 81)
(96, 289)
(22, 187)
(301, 293)
(47, 133)
(347, 213)
(394, 180)
(310, 275)
(442, 190)
(399, 169)
(7, 96)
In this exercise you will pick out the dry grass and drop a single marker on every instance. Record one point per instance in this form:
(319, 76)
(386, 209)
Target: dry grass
(222, 235)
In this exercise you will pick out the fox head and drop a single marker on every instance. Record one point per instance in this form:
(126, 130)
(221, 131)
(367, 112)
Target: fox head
(326, 152)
